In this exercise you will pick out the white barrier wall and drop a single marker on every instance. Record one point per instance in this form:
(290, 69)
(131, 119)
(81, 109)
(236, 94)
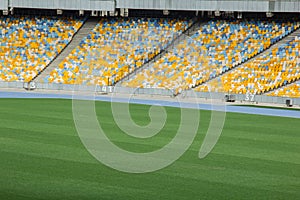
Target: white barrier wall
(3, 4)
(287, 6)
(151, 91)
(99, 5)
(213, 5)
(206, 5)
(200, 5)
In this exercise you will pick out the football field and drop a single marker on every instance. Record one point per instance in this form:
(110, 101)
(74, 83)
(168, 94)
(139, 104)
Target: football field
(42, 157)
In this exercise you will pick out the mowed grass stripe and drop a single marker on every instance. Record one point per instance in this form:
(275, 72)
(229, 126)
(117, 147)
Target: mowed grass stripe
(257, 157)
(89, 179)
(39, 136)
(45, 186)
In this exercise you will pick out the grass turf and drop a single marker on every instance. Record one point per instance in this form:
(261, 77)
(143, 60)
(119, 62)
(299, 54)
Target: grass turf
(41, 155)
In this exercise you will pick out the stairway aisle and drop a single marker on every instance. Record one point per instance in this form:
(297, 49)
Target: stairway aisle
(184, 36)
(83, 32)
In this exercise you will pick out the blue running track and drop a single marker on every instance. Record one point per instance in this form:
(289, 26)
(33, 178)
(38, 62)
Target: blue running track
(234, 109)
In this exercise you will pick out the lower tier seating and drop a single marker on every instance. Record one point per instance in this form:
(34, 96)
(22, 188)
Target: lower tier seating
(116, 47)
(215, 48)
(28, 44)
(292, 90)
(271, 70)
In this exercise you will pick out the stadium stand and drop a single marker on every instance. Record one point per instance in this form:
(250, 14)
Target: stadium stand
(216, 48)
(115, 48)
(291, 90)
(28, 44)
(277, 68)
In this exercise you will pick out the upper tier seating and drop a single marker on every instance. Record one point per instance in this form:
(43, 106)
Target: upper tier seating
(114, 48)
(28, 44)
(271, 70)
(292, 90)
(217, 47)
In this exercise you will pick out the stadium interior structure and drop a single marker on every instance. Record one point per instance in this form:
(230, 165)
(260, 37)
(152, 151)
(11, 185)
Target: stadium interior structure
(162, 47)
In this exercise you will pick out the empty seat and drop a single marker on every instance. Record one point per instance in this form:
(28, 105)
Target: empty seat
(29, 44)
(115, 48)
(271, 70)
(215, 48)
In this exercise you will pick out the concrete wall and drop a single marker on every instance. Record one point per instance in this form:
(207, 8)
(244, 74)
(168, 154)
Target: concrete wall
(107, 5)
(152, 91)
(201, 5)
(3, 4)
(287, 6)
(212, 5)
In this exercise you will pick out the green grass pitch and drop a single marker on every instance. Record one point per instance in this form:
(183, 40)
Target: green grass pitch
(42, 157)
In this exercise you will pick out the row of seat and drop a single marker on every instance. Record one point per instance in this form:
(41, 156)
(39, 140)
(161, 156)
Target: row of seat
(115, 48)
(292, 90)
(214, 49)
(271, 70)
(28, 44)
